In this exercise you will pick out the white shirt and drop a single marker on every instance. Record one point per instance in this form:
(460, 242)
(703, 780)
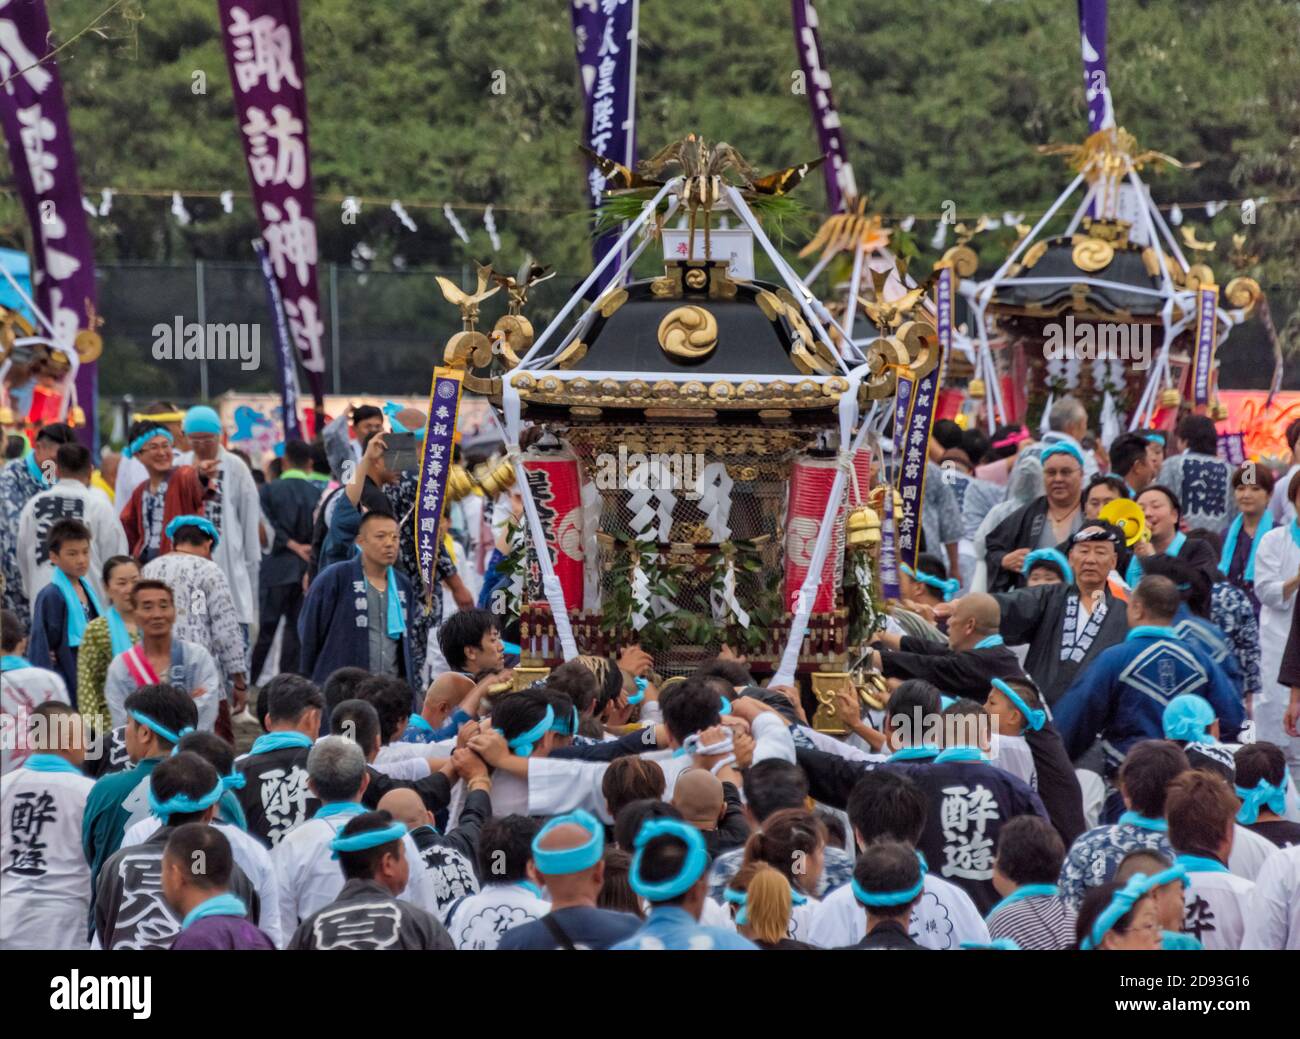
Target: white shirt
(239, 551)
(1273, 909)
(67, 499)
(1250, 851)
(480, 920)
(1280, 505)
(43, 871)
(21, 692)
(1012, 754)
(1214, 908)
(308, 878)
(250, 855)
(944, 917)
(559, 785)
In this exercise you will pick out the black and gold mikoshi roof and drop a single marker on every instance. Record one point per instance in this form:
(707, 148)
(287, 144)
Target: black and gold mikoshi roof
(1101, 252)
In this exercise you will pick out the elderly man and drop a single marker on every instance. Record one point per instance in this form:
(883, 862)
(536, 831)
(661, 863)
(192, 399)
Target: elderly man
(169, 490)
(1044, 523)
(568, 860)
(20, 481)
(232, 507)
(1067, 625)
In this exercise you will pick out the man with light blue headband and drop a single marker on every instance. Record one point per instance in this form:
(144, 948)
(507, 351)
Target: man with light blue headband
(306, 861)
(1269, 806)
(130, 910)
(373, 856)
(670, 870)
(169, 490)
(157, 716)
(888, 881)
(568, 860)
(1044, 523)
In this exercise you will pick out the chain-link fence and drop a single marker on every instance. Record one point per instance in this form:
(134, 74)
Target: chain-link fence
(384, 331)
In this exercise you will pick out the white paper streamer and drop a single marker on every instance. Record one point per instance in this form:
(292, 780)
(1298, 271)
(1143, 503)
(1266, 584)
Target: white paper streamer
(1176, 215)
(179, 211)
(490, 225)
(1043, 427)
(591, 505)
(1110, 427)
(727, 604)
(714, 488)
(1010, 219)
(105, 201)
(907, 222)
(940, 236)
(227, 201)
(89, 206)
(400, 212)
(456, 225)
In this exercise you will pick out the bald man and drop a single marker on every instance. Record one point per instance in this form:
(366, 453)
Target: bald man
(963, 668)
(713, 807)
(569, 861)
(450, 857)
(974, 657)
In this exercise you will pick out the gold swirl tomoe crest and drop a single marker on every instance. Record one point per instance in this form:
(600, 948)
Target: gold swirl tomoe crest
(689, 333)
(1092, 254)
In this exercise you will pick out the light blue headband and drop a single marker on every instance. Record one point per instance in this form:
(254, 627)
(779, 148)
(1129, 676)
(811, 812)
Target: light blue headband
(1154, 438)
(1187, 717)
(524, 743)
(201, 419)
(1261, 794)
(1048, 555)
(235, 781)
(1034, 717)
(166, 733)
(725, 706)
(693, 866)
(183, 804)
(890, 898)
(367, 839)
(391, 410)
(639, 695)
(1062, 448)
(560, 862)
(1004, 944)
(134, 446)
(566, 726)
(741, 899)
(203, 524)
(947, 587)
(1121, 904)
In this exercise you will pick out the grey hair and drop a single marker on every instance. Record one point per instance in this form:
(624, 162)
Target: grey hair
(1065, 413)
(336, 766)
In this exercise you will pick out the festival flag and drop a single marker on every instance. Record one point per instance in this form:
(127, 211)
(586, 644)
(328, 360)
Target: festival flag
(264, 50)
(840, 184)
(911, 473)
(435, 464)
(286, 372)
(605, 38)
(1207, 318)
(45, 174)
(1092, 32)
(890, 584)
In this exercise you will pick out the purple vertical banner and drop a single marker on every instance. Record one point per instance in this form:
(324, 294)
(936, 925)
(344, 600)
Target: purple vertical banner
(1207, 323)
(1096, 85)
(286, 373)
(435, 466)
(264, 50)
(45, 174)
(911, 478)
(840, 185)
(943, 308)
(605, 39)
(902, 408)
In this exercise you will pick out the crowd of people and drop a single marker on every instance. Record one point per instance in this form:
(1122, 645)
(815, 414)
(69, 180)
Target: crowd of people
(239, 715)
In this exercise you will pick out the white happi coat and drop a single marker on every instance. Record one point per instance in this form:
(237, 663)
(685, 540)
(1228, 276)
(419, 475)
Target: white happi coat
(44, 875)
(307, 878)
(1277, 560)
(22, 690)
(943, 918)
(1273, 909)
(239, 552)
(249, 855)
(480, 920)
(67, 499)
(1214, 908)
